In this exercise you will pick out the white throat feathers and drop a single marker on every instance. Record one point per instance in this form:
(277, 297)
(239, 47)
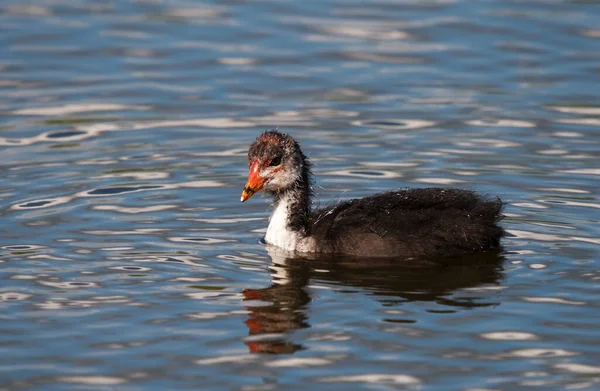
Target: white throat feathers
(279, 232)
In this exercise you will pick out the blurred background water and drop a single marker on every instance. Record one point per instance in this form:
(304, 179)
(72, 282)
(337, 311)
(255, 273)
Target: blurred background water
(128, 263)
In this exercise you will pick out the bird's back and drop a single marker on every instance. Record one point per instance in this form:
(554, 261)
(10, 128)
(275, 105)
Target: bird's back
(426, 222)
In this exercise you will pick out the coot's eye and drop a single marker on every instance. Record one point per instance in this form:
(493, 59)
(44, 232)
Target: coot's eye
(275, 161)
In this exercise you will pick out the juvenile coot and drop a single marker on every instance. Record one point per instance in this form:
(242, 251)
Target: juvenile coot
(410, 223)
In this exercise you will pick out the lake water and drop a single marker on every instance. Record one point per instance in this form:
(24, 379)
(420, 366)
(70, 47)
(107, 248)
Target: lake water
(128, 263)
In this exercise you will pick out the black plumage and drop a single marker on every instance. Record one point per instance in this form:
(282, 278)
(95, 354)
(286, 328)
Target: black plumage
(410, 223)
(413, 223)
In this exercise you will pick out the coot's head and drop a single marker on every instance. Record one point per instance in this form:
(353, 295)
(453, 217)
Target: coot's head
(276, 163)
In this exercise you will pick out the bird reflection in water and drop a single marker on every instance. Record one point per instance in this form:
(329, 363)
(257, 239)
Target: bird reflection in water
(276, 311)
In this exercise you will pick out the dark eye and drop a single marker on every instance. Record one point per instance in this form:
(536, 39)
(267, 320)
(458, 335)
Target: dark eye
(275, 161)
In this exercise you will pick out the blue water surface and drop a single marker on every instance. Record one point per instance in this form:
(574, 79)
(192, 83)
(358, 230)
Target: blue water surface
(128, 263)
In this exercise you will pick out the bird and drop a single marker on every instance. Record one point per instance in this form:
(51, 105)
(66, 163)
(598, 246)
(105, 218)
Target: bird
(404, 223)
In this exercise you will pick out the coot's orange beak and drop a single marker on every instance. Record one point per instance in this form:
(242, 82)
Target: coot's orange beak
(255, 182)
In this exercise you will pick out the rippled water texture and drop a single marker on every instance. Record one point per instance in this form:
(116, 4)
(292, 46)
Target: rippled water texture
(128, 263)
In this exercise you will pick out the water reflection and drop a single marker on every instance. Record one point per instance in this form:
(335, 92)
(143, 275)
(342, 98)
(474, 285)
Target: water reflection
(283, 307)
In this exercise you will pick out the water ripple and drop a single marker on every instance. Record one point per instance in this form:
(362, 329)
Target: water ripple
(69, 284)
(502, 123)
(134, 210)
(585, 110)
(91, 380)
(579, 368)
(13, 296)
(383, 174)
(299, 362)
(541, 353)
(124, 134)
(109, 191)
(555, 300)
(78, 108)
(227, 359)
(373, 378)
(519, 234)
(391, 124)
(509, 336)
(200, 240)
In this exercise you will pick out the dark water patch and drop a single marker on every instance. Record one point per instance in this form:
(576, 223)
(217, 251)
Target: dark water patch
(35, 204)
(77, 120)
(65, 134)
(20, 247)
(207, 287)
(367, 173)
(442, 311)
(81, 283)
(384, 123)
(122, 190)
(404, 321)
(200, 240)
(171, 259)
(131, 268)
(13, 296)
